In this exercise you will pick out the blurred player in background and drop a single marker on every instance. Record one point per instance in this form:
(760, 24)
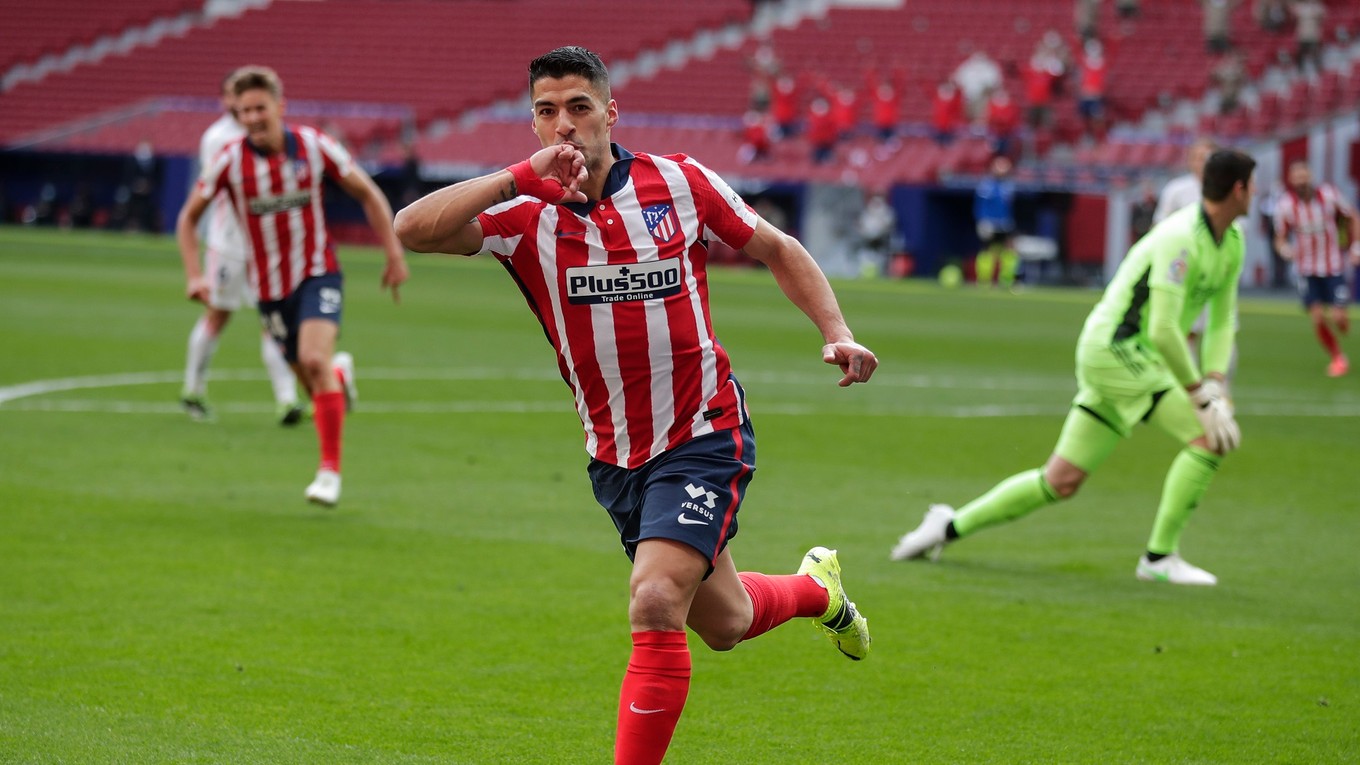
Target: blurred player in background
(1307, 233)
(608, 248)
(1184, 190)
(273, 178)
(994, 211)
(224, 253)
(1133, 365)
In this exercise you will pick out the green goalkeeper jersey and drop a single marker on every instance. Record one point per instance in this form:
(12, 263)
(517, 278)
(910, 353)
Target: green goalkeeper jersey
(1165, 281)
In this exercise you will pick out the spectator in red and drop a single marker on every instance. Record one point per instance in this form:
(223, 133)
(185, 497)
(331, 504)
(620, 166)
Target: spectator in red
(1091, 90)
(755, 137)
(1038, 78)
(946, 112)
(822, 131)
(784, 105)
(885, 105)
(844, 110)
(1003, 122)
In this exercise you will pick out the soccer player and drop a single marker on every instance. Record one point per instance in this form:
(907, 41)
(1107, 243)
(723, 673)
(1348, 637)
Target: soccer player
(1184, 190)
(609, 250)
(1133, 365)
(1306, 232)
(273, 178)
(993, 209)
(228, 289)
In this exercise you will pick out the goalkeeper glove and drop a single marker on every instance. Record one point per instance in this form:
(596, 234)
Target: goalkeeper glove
(1216, 415)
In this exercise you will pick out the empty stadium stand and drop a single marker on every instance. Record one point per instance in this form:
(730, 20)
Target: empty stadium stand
(50, 27)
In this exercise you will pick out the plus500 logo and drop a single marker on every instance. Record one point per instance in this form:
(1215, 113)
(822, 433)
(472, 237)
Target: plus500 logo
(618, 283)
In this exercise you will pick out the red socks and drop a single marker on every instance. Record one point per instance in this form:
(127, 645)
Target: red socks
(329, 413)
(652, 697)
(777, 599)
(1327, 339)
(657, 681)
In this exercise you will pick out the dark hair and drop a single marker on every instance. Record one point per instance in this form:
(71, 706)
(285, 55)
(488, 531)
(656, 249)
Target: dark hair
(1225, 169)
(567, 61)
(257, 78)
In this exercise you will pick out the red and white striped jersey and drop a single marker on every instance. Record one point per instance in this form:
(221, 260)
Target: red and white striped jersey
(1311, 223)
(621, 288)
(278, 200)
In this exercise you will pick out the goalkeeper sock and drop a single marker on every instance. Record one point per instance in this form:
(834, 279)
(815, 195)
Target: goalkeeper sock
(1187, 480)
(1013, 498)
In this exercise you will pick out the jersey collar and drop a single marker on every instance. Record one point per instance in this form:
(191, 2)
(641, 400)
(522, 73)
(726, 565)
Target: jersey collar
(290, 145)
(618, 176)
(1204, 218)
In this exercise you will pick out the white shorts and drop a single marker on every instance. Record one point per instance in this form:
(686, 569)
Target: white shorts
(229, 288)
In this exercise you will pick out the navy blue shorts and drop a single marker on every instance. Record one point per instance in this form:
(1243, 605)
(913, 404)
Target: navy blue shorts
(318, 297)
(1327, 290)
(690, 494)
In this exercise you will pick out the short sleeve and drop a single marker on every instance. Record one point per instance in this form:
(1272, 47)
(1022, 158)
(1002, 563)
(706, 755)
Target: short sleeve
(212, 178)
(724, 214)
(335, 158)
(504, 225)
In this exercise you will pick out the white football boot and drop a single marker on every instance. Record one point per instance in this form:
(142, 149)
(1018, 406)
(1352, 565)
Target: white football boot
(928, 539)
(325, 489)
(1174, 569)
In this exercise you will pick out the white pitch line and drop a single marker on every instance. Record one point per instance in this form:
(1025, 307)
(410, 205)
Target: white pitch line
(13, 397)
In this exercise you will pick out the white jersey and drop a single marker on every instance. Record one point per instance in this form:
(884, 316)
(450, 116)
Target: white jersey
(223, 236)
(1178, 193)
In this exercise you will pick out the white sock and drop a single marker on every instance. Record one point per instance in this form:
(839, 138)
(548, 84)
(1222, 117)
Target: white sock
(202, 345)
(280, 374)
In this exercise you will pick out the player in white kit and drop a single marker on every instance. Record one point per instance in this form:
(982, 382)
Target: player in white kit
(224, 263)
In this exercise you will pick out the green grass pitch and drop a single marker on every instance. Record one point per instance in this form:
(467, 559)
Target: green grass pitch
(166, 595)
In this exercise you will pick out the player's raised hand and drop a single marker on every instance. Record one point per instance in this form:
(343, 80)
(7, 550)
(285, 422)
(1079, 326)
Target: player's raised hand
(553, 174)
(856, 362)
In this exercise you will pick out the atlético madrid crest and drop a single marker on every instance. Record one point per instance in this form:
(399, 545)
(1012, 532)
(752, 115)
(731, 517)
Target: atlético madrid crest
(661, 221)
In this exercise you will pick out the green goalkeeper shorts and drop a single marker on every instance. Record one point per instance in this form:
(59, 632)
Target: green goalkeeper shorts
(1123, 384)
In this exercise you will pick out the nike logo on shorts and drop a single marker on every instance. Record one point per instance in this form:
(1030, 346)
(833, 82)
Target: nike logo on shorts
(685, 520)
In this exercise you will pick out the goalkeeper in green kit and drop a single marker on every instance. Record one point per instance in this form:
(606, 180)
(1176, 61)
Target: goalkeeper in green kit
(1133, 365)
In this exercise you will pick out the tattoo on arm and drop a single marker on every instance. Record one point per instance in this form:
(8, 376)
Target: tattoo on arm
(507, 193)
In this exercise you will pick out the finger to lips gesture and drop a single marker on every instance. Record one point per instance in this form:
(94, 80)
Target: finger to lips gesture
(553, 174)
